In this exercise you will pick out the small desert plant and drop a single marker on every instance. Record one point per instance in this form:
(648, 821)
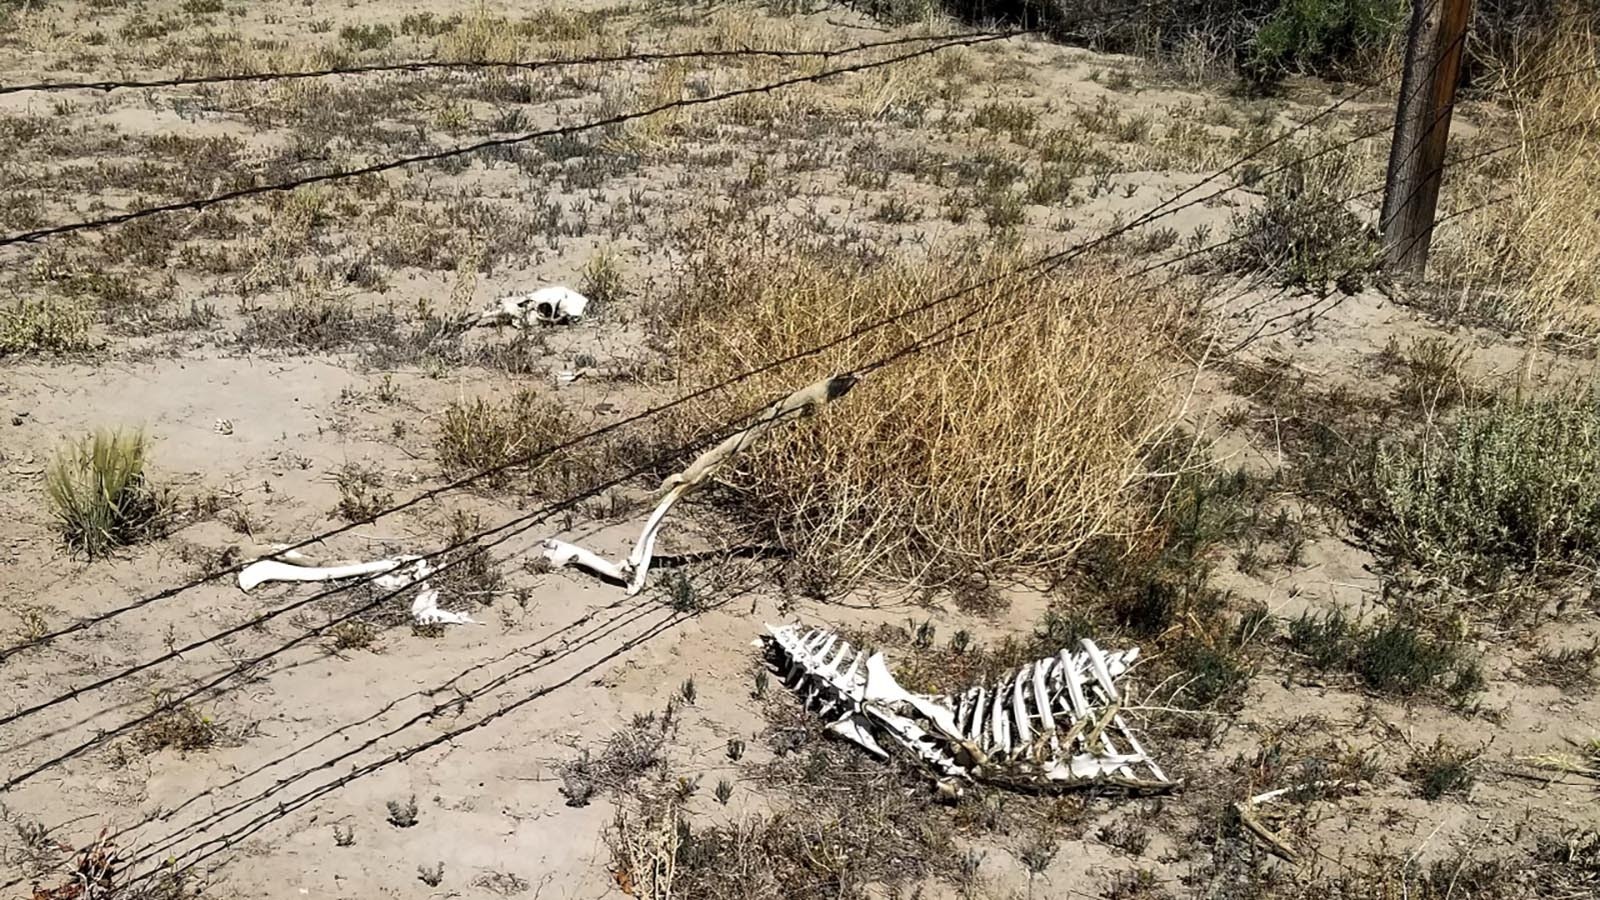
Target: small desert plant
(432, 876)
(477, 435)
(1568, 667)
(361, 494)
(724, 791)
(344, 836)
(44, 326)
(1392, 656)
(627, 755)
(1442, 769)
(403, 814)
(180, 727)
(1302, 233)
(604, 282)
(100, 494)
(366, 37)
(353, 635)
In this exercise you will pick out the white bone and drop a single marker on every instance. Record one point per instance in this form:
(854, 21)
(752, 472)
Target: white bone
(396, 573)
(632, 572)
(548, 305)
(273, 570)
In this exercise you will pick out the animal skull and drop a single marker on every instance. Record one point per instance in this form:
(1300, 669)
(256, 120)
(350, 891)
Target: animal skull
(556, 305)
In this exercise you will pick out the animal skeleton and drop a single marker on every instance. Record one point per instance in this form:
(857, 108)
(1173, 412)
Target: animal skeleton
(548, 306)
(399, 572)
(1052, 724)
(632, 571)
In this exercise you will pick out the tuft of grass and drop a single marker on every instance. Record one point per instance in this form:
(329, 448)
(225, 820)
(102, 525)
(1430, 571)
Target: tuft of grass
(361, 493)
(1570, 667)
(1513, 487)
(1391, 656)
(182, 728)
(1530, 259)
(604, 281)
(628, 755)
(1009, 448)
(353, 635)
(100, 494)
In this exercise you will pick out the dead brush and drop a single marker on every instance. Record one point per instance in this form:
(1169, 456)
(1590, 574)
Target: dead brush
(1007, 449)
(1533, 261)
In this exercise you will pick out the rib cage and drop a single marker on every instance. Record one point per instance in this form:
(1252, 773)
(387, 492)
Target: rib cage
(1053, 723)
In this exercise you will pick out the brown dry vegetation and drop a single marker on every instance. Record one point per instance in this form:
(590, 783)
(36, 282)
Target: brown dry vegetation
(1003, 451)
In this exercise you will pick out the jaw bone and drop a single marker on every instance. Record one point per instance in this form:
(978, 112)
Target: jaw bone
(396, 573)
(1050, 725)
(632, 571)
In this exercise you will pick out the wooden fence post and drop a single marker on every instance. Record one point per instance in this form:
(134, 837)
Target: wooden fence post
(1436, 42)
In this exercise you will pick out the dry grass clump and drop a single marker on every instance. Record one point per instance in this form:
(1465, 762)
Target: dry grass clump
(478, 435)
(1005, 449)
(100, 495)
(1530, 259)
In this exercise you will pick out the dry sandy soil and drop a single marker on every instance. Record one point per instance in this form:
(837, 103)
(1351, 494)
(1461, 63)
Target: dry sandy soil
(278, 352)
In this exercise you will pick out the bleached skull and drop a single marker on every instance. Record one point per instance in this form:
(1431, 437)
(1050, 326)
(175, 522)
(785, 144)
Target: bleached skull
(556, 304)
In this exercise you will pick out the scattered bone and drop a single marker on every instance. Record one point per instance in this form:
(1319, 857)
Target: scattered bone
(393, 574)
(632, 572)
(1051, 725)
(1245, 810)
(555, 305)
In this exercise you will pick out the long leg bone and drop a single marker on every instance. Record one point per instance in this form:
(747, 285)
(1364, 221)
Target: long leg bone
(1038, 727)
(393, 574)
(632, 572)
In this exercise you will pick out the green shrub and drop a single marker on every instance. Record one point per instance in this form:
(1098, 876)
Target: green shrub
(100, 495)
(1512, 487)
(1391, 656)
(1318, 36)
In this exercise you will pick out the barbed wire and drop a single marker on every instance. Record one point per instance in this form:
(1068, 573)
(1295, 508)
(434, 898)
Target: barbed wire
(1049, 262)
(436, 65)
(927, 344)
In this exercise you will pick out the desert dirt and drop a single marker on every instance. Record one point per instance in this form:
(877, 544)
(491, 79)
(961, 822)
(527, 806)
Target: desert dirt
(261, 425)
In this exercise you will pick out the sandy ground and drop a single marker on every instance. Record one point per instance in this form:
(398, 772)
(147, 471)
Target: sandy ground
(315, 742)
